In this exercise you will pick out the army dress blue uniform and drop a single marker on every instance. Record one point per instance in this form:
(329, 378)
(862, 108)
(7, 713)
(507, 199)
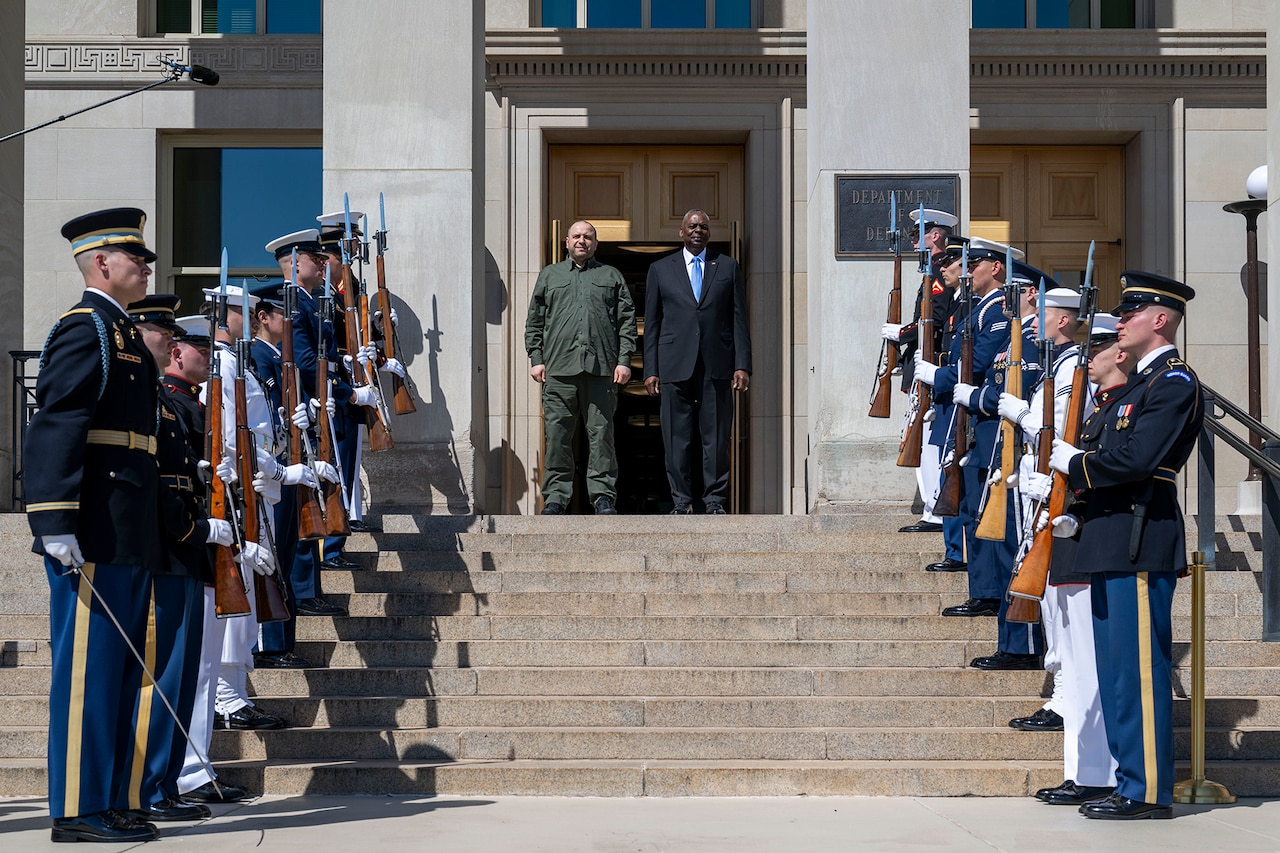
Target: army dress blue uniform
(1132, 544)
(92, 472)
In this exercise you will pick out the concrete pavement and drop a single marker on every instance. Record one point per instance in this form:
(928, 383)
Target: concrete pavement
(317, 824)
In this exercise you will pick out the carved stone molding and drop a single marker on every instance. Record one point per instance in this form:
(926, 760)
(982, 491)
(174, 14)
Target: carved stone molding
(242, 61)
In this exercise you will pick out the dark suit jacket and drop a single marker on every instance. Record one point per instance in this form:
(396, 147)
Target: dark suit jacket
(676, 329)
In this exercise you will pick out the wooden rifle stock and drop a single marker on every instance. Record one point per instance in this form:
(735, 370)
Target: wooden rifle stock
(948, 503)
(882, 395)
(379, 431)
(229, 598)
(993, 525)
(913, 436)
(1027, 610)
(271, 606)
(379, 435)
(311, 521)
(402, 396)
(335, 514)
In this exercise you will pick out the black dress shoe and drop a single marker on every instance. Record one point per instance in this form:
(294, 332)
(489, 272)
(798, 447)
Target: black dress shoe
(319, 607)
(223, 793)
(922, 527)
(172, 809)
(108, 826)
(279, 660)
(247, 718)
(682, 509)
(553, 508)
(948, 565)
(1118, 807)
(358, 526)
(1071, 794)
(604, 506)
(975, 607)
(340, 563)
(1004, 660)
(1043, 720)
(716, 509)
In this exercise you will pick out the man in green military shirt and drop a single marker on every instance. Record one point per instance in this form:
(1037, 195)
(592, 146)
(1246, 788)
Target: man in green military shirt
(580, 335)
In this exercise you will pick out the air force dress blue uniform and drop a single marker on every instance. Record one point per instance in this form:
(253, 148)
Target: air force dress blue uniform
(94, 435)
(1132, 543)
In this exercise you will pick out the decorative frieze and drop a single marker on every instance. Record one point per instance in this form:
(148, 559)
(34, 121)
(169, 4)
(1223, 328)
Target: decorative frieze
(248, 60)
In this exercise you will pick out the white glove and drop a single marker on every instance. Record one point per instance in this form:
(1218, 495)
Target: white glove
(268, 465)
(929, 414)
(1065, 526)
(267, 487)
(313, 407)
(963, 394)
(220, 532)
(891, 332)
(377, 319)
(1037, 486)
(924, 370)
(1061, 456)
(260, 559)
(226, 471)
(300, 475)
(301, 416)
(325, 471)
(1013, 408)
(64, 548)
(346, 362)
(994, 477)
(365, 396)
(366, 355)
(393, 366)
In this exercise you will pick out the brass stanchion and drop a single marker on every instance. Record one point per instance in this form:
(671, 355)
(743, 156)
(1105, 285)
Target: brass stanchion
(1197, 789)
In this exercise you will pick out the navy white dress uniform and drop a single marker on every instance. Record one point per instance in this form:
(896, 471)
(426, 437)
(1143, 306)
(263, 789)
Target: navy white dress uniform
(176, 614)
(1132, 544)
(990, 337)
(949, 326)
(97, 490)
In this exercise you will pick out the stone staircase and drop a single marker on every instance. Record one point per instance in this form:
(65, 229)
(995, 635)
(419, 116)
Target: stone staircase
(659, 656)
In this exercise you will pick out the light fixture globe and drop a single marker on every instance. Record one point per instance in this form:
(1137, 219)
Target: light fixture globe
(1256, 184)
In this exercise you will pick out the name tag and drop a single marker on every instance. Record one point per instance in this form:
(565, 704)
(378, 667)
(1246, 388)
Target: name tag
(128, 356)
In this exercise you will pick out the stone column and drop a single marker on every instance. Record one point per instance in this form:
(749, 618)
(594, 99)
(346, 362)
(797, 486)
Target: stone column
(870, 115)
(12, 112)
(1269, 223)
(403, 115)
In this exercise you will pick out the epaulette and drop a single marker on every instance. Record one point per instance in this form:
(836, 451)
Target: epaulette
(104, 345)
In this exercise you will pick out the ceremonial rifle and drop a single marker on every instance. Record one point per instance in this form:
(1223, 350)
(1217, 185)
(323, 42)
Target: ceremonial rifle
(271, 606)
(992, 524)
(311, 515)
(1032, 573)
(332, 494)
(402, 389)
(379, 429)
(947, 504)
(229, 597)
(913, 436)
(882, 391)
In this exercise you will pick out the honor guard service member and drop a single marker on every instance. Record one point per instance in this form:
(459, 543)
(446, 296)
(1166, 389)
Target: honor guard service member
(580, 334)
(93, 505)
(177, 599)
(1132, 539)
(990, 336)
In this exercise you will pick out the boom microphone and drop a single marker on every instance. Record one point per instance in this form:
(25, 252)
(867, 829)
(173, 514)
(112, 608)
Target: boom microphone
(197, 73)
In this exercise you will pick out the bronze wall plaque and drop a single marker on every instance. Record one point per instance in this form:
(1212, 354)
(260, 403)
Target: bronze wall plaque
(863, 207)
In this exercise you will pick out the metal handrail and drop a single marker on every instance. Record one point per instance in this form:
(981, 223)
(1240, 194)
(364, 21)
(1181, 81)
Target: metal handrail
(1215, 400)
(24, 404)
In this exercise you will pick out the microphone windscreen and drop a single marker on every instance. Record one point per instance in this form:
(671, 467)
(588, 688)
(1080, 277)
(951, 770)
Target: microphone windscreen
(207, 76)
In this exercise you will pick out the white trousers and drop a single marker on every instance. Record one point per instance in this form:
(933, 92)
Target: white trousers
(201, 726)
(929, 475)
(1086, 758)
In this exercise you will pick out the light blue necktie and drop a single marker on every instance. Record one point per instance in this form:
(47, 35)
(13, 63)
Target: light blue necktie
(695, 278)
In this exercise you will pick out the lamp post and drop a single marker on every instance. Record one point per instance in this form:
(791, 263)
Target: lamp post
(1250, 209)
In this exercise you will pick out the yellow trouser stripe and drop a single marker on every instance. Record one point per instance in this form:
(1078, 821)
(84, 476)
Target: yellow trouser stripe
(1151, 767)
(145, 697)
(75, 710)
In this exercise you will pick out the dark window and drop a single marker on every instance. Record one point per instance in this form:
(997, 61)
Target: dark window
(613, 13)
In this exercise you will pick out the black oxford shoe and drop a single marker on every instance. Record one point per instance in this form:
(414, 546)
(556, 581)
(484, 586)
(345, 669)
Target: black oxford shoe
(716, 509)
(358, 526)
(975, 607)
(247, 718)
(682, 509)
(1004, 660)
(110, 826)
(1043, 720)
(1071, 794)
(922, 527)
(279, 660)
(172, 809)
(222, 793)
(1119, 807)
(319, 607)
(947, 565)
(340, 563)
(552, 508)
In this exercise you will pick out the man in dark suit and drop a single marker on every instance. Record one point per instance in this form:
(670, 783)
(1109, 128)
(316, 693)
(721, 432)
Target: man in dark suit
(697, 349)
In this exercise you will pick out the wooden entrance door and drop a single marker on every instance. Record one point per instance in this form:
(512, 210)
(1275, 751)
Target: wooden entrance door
(1050, 201)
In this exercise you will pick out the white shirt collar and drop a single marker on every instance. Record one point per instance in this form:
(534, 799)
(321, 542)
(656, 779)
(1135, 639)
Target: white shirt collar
(1152, 356)
(688, 257)
(108, 297)
(275, 349)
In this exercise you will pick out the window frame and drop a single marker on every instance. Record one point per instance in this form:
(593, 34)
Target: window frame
(646, 16)
(1143, 15)
(259, 27)
(167, 273)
